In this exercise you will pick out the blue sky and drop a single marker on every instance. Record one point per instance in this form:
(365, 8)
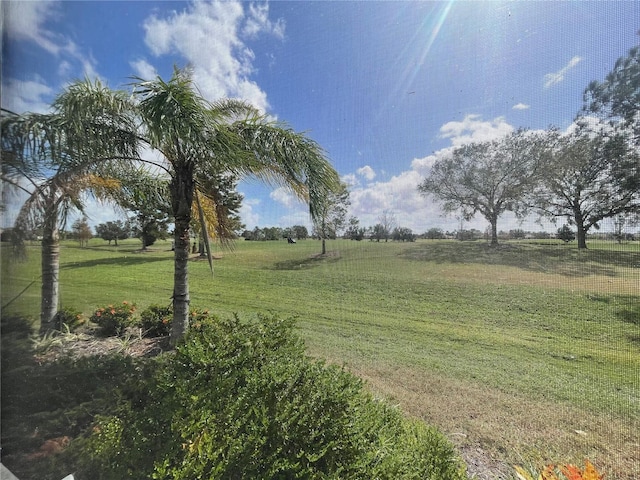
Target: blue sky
(386, 88)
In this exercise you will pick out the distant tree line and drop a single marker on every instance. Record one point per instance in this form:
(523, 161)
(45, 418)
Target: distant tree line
(297, 232)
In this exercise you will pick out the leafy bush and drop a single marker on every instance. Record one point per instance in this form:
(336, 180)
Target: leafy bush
(241, 400)
(68, 318)
(114, 319)
(156, 320)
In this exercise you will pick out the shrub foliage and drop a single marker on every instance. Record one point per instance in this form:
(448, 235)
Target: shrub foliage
(68, 318)
(241, 400)
(156, 320)
(114, 319)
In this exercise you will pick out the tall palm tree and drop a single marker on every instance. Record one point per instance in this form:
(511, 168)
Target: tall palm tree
(197, 137)
(95, 130)
(53, 163)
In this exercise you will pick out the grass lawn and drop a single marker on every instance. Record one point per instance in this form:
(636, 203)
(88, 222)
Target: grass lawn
(526, 353)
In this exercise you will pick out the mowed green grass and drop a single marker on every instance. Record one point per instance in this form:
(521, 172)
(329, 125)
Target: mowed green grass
(530, 352)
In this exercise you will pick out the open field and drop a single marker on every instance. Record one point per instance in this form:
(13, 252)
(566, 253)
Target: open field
(527, 353)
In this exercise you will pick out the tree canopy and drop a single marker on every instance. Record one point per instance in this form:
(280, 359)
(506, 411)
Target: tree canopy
(331, 215)
(617, 98)
(581, 181)
(489, 177)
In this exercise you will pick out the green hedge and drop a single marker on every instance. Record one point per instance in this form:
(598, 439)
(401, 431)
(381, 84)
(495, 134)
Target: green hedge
(242, 401)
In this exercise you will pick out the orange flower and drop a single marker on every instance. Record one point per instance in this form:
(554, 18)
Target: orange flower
(571, 472)
(113, 312)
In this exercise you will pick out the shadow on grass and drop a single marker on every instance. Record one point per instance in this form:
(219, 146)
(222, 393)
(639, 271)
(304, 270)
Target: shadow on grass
(630, 313)
(126, 261)
(558, 259)
(309, 262)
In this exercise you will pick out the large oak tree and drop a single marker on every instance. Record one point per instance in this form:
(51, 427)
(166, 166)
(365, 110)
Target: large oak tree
(582, 181)
(489, 178)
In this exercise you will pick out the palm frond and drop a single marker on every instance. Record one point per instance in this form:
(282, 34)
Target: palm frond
(284, 157)
(97, 121)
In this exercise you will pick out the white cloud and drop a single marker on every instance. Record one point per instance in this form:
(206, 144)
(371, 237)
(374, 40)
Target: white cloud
(26, 95)
(521, 106)
(250, 218)
(284, 197)
(222, 27)
(25, 21)
(473, 129)
(350, 180)
(298, 217)
(366, 172)
(143, 69)
(551, 79)
(258, 21)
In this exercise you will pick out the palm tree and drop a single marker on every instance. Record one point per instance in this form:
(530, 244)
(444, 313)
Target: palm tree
(94, 131)
(198, 138)
(54, 164)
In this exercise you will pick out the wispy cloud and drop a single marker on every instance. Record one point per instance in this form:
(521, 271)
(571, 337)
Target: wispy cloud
(26, 95)
(225, 28)
(26, 22)
(249, 216)
(143, 69)
(284, 197)
(366, 172)
(521, 106)
(551, 79)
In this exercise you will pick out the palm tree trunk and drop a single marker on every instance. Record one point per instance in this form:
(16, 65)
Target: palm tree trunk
(182, 188)
(181, 298)
(50, 261)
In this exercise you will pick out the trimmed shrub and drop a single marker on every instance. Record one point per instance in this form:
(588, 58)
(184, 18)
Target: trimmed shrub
(156, 320)
(69, 318)
(241, 400)
(114, 319)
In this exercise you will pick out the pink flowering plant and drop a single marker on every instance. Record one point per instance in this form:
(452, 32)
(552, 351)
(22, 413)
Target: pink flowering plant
(114, 319)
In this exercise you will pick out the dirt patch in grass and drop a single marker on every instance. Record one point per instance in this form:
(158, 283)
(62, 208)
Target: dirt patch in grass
(494, 430)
